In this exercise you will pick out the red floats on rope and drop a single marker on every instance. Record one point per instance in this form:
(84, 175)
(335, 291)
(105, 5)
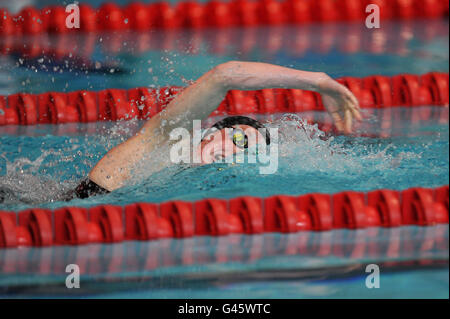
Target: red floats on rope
(219, 14)
(72, 227)
(12, 235)
(166, 94)
(143, 103)
(53, 109)
(241, 102)
(356, 210)
(352, 10)
(138, 16)
(419, 208)
(380, 87)
(34, 228)
(300, 101)
(325, 10)
(351, 212)
(282, 215)
(318, 208)
(386, 205)
(164, 16)
(250, 212)
(88, 18)
(29, 21)
(85, 104)
(54, 19)
(431, 8)
(8, 116)
(114, 105)
(180, 216)
(109, 219)
(269, 100)
(438, 85)
(7, 26)
(246, 12)
(25, 106)
(77, 226)
(409, 91)
(441, 204)
(298, 11)
(364, 95)
(111, 17)
(192, 14)
(143, 223)
(38, 222)
(441, 197)
(272, 12)
(214, 217)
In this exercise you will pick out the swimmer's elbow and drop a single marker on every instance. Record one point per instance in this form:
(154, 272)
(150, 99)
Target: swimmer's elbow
(225, 74)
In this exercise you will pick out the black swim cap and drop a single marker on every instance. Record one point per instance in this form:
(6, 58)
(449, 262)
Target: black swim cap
(228, 122)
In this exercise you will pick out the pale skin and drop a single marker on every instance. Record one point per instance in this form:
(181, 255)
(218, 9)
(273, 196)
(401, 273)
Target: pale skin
(199, 100)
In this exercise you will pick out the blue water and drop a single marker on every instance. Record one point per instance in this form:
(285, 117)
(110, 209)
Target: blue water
(159, 57)
(413, 263)
(38, 163)
(418, 156)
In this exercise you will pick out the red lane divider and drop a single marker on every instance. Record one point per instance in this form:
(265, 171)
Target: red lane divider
(144, 223)
(216, 217)
(142, 103)
(392, 122)
(296, 42)
(191, 14)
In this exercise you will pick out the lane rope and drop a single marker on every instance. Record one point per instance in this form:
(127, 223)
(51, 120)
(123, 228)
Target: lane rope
(373, 92)
(320, 39)
(139, 16)
(216, 217)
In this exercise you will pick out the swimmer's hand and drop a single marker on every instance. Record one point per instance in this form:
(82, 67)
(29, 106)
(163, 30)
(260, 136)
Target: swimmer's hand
(340, 103)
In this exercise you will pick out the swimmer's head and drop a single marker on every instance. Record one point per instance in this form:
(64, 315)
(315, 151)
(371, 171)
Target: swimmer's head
(231, 135)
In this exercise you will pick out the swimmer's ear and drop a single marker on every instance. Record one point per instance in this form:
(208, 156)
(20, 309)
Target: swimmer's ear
(209, 134)
(210, 137)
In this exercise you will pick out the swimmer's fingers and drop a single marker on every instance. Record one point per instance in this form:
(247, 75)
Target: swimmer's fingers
(336, 112)
(356, 111)
(344, 117)
(337, 119)
(354, 100)
(347, 121)
(352, 104)
(351, 99)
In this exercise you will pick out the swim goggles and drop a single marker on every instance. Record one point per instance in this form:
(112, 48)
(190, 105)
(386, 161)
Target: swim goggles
(239, 138)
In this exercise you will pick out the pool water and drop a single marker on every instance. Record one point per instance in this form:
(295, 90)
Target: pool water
(37, 176)
(413, 263)
(39, 163)
(157, 58)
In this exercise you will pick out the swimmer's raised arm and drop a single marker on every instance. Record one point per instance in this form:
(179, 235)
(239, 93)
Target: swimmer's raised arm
(200, 99)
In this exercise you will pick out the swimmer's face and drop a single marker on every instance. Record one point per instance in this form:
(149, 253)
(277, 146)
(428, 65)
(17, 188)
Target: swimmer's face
(219, 145)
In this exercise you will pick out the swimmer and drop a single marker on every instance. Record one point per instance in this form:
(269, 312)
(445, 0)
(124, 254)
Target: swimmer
(198, 101)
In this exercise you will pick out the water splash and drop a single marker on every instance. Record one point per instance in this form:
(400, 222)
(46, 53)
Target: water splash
(309, 161)
(23, 182)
